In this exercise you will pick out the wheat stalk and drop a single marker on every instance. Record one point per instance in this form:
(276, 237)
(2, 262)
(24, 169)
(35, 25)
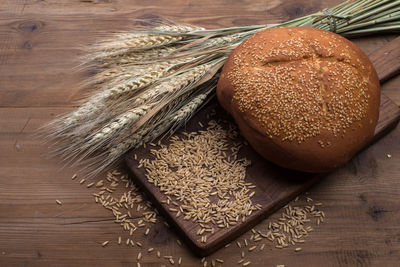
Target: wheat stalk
(181, 83)
(171, 85)
(129, 117)
(155, 37)
(101, 100)
(153, 80)
(95, 104)
(185, 113)
(151, 132)
(130, 58)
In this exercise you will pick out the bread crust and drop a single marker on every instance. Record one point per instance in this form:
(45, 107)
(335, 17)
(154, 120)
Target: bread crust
(304, 98)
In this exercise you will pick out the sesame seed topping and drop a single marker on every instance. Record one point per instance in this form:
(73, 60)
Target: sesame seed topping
(301, 86)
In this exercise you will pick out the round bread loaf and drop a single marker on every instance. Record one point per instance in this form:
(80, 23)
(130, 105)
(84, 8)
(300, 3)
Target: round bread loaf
(304, 98)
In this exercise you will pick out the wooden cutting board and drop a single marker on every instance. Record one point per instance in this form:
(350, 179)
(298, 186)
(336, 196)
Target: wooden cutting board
(275, 186)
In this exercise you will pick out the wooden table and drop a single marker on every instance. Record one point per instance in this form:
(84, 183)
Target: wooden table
(40, 42)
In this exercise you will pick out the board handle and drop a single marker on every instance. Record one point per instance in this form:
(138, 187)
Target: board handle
(387, 60)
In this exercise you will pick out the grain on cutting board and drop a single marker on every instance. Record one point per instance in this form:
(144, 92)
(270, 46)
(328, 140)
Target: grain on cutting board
(196, 167)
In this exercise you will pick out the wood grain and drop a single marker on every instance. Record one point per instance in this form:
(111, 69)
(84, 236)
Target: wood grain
(40, 41)
(387, 60)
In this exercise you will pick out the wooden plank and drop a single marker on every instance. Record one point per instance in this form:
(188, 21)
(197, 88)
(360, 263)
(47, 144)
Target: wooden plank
(387, 60)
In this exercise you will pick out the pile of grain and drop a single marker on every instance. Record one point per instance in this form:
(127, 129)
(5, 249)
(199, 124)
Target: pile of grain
(203, 179)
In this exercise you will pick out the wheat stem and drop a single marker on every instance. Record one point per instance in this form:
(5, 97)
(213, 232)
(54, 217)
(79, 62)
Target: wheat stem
(171, 70)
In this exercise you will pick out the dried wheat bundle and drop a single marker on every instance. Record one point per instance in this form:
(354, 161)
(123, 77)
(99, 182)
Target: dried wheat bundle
(153, 80)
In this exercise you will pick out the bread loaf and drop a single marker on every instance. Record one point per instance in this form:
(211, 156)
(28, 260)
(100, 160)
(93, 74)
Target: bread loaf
(304, 98)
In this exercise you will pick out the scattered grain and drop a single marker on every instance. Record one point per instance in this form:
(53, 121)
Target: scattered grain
(252, 248)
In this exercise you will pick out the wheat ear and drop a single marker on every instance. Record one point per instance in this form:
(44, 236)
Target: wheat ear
(150, 38)
(122, 121)
(172, 85)
(107, 60)
(178, 112)
(150, 98)
(96, 103)
(188, 110)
